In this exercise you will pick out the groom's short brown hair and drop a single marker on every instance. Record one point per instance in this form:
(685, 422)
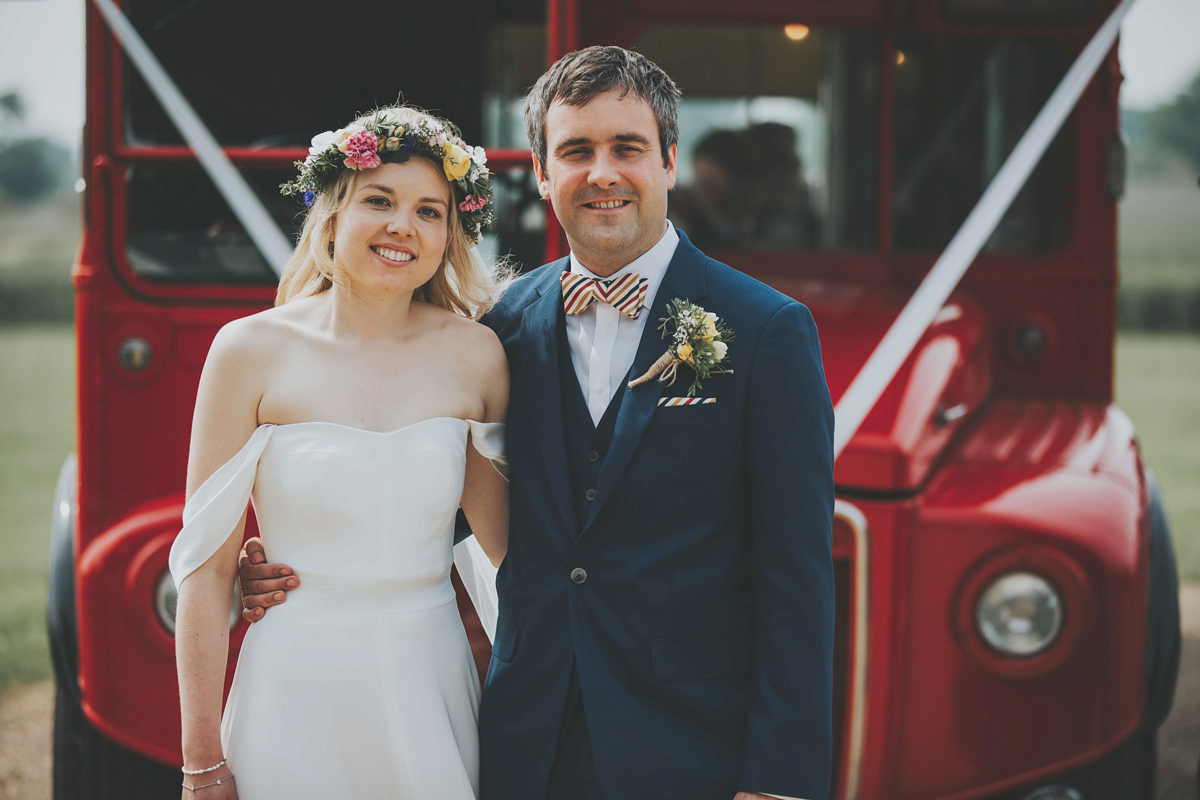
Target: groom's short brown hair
(578, 77)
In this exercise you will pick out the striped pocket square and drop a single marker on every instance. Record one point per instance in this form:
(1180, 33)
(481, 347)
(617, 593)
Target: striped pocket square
(685, 401)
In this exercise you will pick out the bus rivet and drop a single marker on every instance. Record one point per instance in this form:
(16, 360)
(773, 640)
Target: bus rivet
(1031, 340)
(135, 354)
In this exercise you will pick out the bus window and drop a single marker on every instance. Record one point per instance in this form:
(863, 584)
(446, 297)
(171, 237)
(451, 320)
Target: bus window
(277, 72)
(180, 229)
(960, 107)
(777, 146)
(516, 59)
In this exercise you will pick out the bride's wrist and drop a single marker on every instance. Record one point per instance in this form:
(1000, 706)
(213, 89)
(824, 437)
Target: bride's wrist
(204, 764)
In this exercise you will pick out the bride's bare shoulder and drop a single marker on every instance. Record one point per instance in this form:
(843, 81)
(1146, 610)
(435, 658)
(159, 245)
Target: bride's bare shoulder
(265, 333)
(473, 343)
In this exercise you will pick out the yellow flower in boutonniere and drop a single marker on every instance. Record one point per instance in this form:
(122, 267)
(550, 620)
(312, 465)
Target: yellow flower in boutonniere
(698, 339)
(455, 161)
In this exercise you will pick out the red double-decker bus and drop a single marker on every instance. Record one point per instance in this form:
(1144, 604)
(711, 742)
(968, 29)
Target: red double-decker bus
(1007, 613)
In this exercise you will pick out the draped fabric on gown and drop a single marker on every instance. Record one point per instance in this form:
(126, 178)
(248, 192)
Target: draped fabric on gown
(361, 684)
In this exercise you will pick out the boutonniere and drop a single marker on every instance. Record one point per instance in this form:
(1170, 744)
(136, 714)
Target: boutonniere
(697, 338)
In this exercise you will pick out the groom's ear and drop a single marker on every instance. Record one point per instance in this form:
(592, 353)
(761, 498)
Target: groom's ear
(539, 172)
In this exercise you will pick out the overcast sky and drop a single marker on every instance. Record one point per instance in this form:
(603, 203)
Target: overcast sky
(41, 56)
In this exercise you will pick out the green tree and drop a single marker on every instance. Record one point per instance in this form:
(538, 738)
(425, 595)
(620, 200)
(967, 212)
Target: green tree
(12, 105)
(1176, 125)
(33, 169)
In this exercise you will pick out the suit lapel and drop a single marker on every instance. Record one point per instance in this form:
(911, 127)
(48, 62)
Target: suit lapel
(539, 340)
(684, 279)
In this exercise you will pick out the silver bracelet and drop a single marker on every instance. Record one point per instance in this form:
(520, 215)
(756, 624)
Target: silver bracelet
(216, 766)
(217, 782)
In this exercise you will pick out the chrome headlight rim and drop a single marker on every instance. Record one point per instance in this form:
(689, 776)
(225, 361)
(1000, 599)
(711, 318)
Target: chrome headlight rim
(1018, 599)
(1078, 603)
(166, 599)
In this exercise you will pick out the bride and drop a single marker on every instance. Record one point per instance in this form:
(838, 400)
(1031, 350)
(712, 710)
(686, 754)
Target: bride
(358, 414)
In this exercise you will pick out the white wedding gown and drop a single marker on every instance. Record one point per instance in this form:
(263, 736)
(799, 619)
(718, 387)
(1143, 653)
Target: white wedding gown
(362, 684)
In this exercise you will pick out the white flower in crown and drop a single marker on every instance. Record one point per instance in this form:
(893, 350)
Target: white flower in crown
(479, 156)
(322, 142)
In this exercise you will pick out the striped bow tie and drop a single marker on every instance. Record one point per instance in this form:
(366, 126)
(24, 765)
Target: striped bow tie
(626, 293)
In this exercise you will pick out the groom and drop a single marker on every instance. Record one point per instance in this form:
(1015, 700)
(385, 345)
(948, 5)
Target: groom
(667, 603)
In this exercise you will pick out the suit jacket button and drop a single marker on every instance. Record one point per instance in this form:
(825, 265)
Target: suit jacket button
(578, 575)
(590, 494)
(593, 456)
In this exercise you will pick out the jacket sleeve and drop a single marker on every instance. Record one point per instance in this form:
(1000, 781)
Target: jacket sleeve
(789, 474)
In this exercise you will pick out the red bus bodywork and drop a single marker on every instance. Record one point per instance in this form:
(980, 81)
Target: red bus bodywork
(995, 448)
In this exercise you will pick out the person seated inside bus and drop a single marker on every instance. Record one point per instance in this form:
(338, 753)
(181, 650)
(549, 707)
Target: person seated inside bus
(748, 192)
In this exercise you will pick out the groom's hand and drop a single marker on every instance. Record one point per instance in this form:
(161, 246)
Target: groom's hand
(752, 796)
(263, 585)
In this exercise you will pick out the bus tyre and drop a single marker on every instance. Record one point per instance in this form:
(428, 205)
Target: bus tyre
(1128, 773)
(88, 766)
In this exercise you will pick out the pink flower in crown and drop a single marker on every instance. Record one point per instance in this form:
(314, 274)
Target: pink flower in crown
(472, 203)
(360, 150)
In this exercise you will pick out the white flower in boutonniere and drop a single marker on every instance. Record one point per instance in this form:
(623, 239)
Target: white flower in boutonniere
(697, 338)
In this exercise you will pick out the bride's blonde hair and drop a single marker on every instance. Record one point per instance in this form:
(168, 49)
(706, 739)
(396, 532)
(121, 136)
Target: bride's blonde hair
(462, 284)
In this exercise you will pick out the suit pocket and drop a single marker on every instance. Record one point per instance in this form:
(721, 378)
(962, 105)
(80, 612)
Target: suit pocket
(699, 414)
(700, 658)
(508, 633)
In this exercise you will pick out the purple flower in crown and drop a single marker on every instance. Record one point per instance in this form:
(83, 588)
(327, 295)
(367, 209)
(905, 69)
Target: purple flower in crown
(472, 203)
(310, 197)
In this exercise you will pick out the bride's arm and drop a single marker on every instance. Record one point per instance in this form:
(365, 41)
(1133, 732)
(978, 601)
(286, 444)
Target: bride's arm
(485, 490)
(225, 418)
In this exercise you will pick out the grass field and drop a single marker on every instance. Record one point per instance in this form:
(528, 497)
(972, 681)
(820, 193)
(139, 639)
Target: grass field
(1157, 233)
(36, 433)
(1158, 383)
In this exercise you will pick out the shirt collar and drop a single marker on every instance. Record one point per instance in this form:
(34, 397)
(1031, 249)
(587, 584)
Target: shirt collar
(651, 265)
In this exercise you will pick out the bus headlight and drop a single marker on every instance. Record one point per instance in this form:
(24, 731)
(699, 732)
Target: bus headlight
(166, 599)
(1019, 614)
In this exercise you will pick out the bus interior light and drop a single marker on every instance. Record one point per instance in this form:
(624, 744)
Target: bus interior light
(796, 32)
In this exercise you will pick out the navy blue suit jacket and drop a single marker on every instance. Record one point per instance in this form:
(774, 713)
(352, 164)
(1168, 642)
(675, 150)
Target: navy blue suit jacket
(703, 634)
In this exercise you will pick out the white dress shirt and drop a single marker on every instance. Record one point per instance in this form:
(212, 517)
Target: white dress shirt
(604, 341)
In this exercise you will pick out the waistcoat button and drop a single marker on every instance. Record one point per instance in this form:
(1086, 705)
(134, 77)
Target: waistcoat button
(590, 494)
(578, 575)
(593, 456)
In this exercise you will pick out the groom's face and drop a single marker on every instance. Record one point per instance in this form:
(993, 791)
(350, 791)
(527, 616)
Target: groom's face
(605, 176)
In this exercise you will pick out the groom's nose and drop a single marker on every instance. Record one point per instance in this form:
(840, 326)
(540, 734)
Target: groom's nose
(604, 172)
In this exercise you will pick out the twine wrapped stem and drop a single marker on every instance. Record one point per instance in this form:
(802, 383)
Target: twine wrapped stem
(665, 369)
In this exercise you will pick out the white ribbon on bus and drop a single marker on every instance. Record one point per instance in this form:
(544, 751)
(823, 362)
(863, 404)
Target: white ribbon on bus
(274, 245)
(894, 348)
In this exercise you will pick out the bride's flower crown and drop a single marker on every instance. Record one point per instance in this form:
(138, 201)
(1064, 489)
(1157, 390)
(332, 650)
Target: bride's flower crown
(385, 141)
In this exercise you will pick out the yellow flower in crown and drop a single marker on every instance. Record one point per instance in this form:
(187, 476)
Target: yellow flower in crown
(684, 353)
(455, 161)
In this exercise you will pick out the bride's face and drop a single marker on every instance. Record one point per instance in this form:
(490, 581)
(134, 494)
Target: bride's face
(391, 235)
